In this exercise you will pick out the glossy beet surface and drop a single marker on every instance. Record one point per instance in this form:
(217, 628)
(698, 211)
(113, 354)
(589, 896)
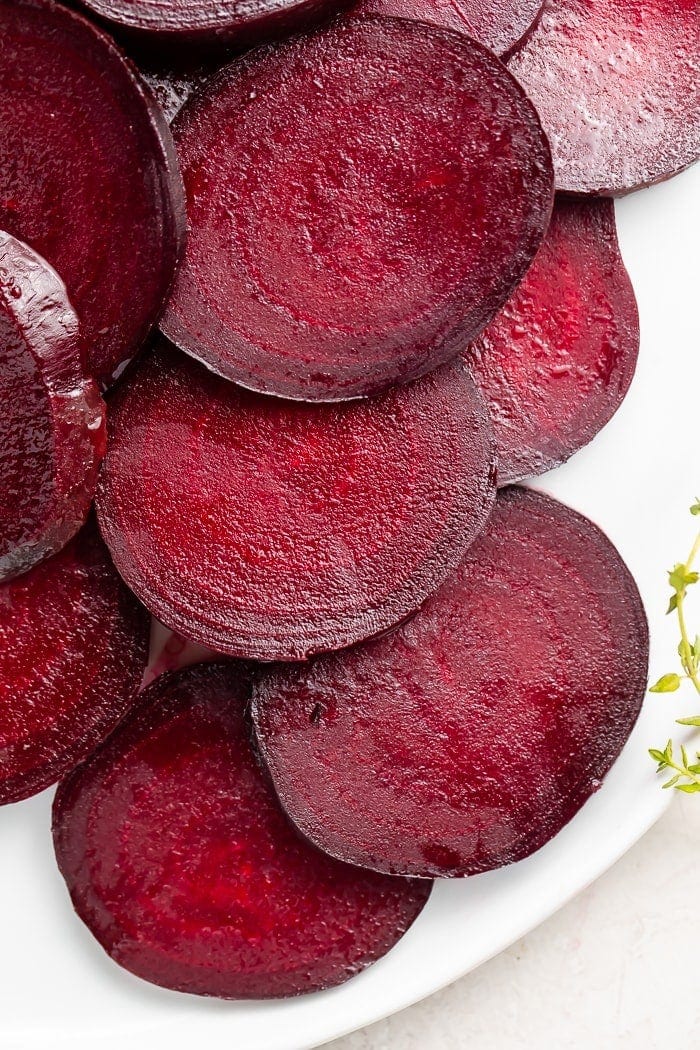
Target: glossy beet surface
(361, 200)
(272, 530)
(180, 860)
(73, 648)
(557, 361)
(467, 738)
(88, 175)
(184, 25)
(52, 432)
(500, 25)
(617, 86)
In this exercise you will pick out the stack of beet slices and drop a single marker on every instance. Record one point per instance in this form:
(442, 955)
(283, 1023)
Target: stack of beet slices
(374, 314)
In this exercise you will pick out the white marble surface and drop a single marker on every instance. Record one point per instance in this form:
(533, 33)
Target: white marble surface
(616, 968)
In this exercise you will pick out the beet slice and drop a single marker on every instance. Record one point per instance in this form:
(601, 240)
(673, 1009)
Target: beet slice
(180, 26)
(88, 175)
(616, 85)
(73, 649)
(468, 737)
(361, 201)
(555, 364)
(272, 530)
(181, 862)
(501, 25)
(52, 419)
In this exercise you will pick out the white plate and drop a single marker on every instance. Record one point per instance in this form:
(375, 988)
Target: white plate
(58, 991)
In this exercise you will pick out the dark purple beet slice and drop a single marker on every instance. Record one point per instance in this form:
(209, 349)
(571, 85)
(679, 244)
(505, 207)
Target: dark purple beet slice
(88, 175)
(361, 201)
(501, 25)
(52, 419)
(181, 862)
(555, 364)
(271, 529)
(73, 649)
(616, 85)
(186, 27)
(468, 737)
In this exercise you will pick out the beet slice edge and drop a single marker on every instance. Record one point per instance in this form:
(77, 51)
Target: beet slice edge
(556, 362)
(270, 530)
(73, 649)
(186, 27)
(383, 254)
(94, 185)
(472, 734)
(616, 87)
(52, 418)
(182, 864)
(500, 25)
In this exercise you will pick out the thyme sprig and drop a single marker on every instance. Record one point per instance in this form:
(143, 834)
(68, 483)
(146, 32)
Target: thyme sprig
(685, 775)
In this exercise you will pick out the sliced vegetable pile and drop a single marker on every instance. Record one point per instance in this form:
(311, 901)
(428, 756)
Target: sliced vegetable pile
(374, 313)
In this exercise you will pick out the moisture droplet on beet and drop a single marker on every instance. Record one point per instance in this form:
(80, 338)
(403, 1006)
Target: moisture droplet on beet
(379, 188)
(556, 362)
(73, 649)
(172, 86)
(88, 175)
(500, 25)
(52, 426)
(181, 862)
(271, 529)
(616, 85)
(472, 734)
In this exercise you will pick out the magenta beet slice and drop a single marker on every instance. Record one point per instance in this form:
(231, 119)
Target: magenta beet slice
(615, 83)
(88, 175)
(555, 364)
(73, 648)
(181, 862)
(468, 737)
(501, 25)
(52, 425)
(270, 529)
(361, 201)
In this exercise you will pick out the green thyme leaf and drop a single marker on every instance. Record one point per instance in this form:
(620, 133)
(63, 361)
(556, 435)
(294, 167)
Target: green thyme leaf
(694, 721)
(668, 683)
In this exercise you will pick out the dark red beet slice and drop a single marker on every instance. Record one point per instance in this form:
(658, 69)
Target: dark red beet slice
(468, 737)
(361, 201)
(183, 25)
(616, 85)
(88, 175)
(272, 530)
(501, 25)
(556, 362)
(181, 862)
(73, 648)
(52, 432)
